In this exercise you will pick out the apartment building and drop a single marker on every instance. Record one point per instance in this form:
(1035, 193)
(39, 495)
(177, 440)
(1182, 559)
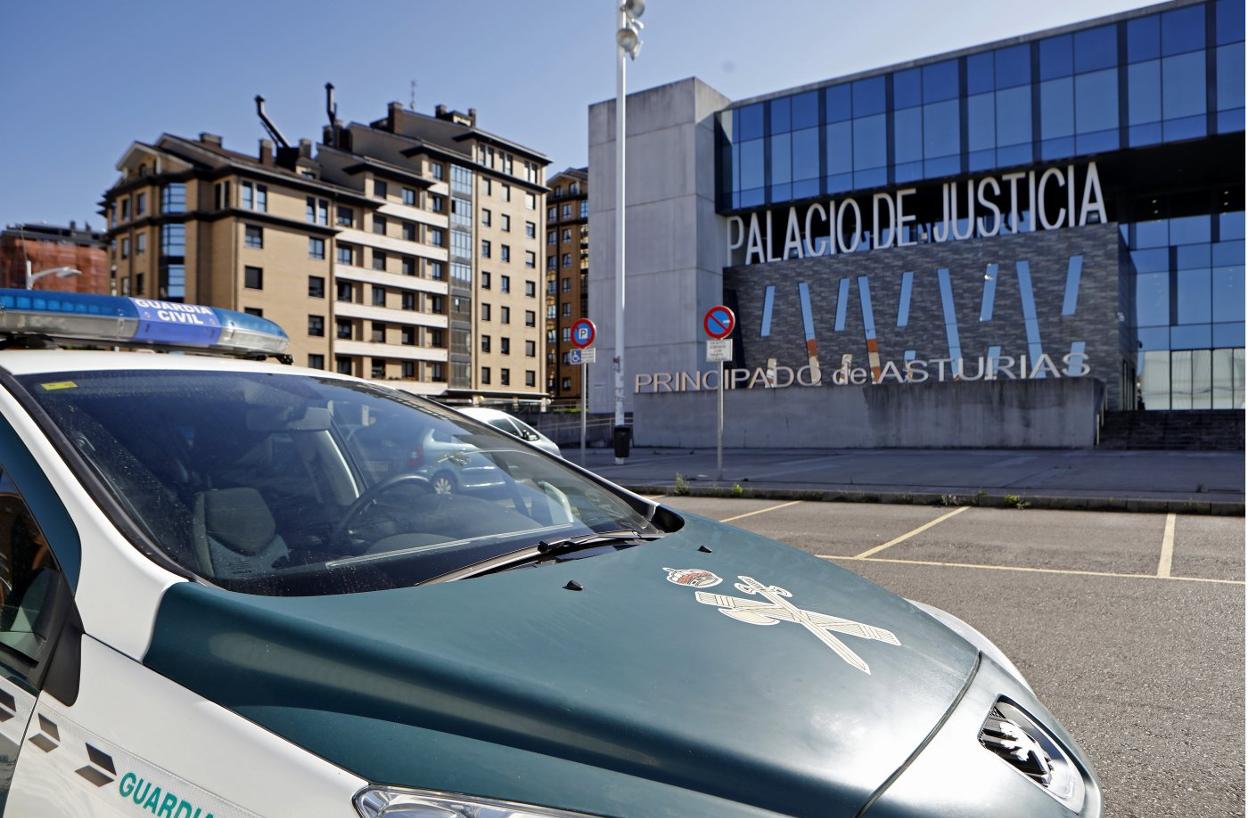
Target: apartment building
(567, 276)
(407, 249)
(42, 247)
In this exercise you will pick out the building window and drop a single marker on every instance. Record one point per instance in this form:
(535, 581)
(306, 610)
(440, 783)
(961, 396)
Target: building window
(505, 252)
(379, 189)
(565, 384)
(530, 201)
(343, 329)
(504, 345)
(346, 217)
(125, 247)
(316, 361)
(256, 311)
(487, 186)
(343, 364)
(461, 180)
(253, 278)
(504, 284)
(379, 332)
(567, 211)
(255, 197)
(435, 270)
(504, 377)
(585, 210)
(140, 244)
(567, 309)
(379, 296)
(437, 170)
(138, 284)
(485, 280)
(530, 349)
(530, 230)
(551, 262)
(435, 236)
(506, 224)
(485, 375)
(316, 325)
(530, 377)
(346, 254)
(485, 343)
(530, 318)
(567, 234)
(567, 284)
(437, 372)
(408, 301)
(486, 216)
(485, 312)
(409, 231)
(530, 289)
(407, 336)
(125, 210)
(140, 204)
(378, 368)
(379, 224)
(530, 259)
(567, 334)
(379, 260)
(316, 287)
(550, 213)
(567, 259)
(316, 249)
(253, 236)
(316, 211)
(173, 198)
(506, 193)
(436, 203)
(346, 291)
(462, 273)
(550, 236)
(408, 369)
(409, 197)
(505, 316)
(485, 248)
(408, 265)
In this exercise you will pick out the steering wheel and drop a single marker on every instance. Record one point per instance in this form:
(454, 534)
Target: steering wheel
(370, 496)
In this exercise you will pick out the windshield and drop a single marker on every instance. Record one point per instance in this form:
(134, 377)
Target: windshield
(294, 484)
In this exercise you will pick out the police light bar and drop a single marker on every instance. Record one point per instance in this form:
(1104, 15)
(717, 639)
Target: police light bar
(123, 321)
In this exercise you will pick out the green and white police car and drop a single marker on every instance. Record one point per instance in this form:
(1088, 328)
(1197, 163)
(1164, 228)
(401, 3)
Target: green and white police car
(228, 588)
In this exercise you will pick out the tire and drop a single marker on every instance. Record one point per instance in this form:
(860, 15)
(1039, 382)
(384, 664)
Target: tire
(444, 483)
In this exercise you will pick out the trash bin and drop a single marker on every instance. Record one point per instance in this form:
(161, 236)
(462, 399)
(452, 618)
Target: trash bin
(622, 436)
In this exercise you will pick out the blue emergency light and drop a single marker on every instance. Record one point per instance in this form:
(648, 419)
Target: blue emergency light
(124, 321)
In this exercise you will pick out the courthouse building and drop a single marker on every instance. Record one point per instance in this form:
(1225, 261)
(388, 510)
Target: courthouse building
(987, 225)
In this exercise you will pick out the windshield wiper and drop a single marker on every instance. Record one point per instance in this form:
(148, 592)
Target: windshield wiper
(544, 549)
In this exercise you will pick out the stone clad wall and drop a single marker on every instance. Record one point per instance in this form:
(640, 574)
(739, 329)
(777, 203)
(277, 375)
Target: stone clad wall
(1049, 413)
(1095, 321)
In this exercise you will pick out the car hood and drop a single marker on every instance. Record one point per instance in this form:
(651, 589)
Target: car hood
(791, 685)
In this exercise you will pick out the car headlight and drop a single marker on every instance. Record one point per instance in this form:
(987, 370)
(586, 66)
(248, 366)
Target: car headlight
(393, 802)
(1020, 741)
(980, 642)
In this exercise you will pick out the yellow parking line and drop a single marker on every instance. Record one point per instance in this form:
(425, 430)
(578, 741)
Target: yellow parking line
(872, 551)
(1026, 569)
(760, 511)
(1167, 548)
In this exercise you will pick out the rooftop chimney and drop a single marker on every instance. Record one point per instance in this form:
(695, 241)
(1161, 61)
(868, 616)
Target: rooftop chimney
(305, 148)
(210, 138)
(472, 117)
(266, 151)
(392, 111)
(440, 111)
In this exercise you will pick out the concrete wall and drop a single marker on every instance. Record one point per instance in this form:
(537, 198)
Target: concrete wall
(1048, 413)
(675, 251)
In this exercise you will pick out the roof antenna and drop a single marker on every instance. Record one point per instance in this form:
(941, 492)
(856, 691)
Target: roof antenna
(411, 105)
(268, 124)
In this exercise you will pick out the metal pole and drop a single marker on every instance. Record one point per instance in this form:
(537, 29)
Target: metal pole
(29, 275)
(618, 362)
(719, 429)
(584, 375)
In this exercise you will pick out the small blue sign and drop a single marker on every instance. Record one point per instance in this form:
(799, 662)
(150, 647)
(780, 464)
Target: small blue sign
(574, 356)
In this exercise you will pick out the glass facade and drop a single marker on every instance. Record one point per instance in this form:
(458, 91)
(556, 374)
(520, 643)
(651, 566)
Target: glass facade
(1170, 76)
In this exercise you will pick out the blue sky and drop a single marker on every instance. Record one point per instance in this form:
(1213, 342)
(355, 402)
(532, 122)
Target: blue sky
(80, 80)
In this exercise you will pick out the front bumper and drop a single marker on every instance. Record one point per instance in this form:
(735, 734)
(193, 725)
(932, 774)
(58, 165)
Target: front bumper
(954, 775)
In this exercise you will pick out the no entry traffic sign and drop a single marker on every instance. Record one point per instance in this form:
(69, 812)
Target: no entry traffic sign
(583, 332)
(719, 322)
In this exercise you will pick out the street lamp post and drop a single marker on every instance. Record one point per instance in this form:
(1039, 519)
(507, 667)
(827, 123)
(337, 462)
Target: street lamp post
(59, 272)
(627, 43)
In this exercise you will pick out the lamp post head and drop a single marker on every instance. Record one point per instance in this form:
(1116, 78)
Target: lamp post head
(633, 8)
(627, 39)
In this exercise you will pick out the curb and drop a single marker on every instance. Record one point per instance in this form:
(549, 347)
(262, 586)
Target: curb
(1128, 504)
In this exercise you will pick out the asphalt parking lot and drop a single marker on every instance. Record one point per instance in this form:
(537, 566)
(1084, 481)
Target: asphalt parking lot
(1130, 627)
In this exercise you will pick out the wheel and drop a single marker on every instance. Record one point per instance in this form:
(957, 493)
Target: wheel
(444, 483)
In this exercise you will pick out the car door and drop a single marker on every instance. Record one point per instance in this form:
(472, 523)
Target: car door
(35, 604)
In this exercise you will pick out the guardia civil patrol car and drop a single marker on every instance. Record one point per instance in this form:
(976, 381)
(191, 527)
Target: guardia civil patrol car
(229, 588)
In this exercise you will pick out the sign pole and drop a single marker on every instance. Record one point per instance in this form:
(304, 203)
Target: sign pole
(719, 430)
(584, 375)
(719, 323)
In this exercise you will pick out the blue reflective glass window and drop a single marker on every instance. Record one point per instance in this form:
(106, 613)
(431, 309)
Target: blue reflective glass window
(736, 166)
(981, 117)
(1096, 48)
(781, 161)
(1056, 57)
(840, 148)
(1230, 91)
(1057, 110)
(1183, 86)
(1229, 17)
(1144, 92)
(752, 198)
(1152, 300)
(1155, 233)
(1228, 335)
(1190, 230)
(806, 154)
(870, 144)
(868, 96)
(1183, 30)
(836, 99)
(1014, 116)
(1228, 293)
(1231, 225)
(940, 81)
(1013, 66)
(908, 135)
(781, 120)
(750, 122)
(941, 132)
(805, 110)
(1191, 256)
(1196, 336)
(752, 164)
(979, 73)
(907, 89)
(1144, 38)
(1192, 297)
(1154, 337)
(1156, 260)
(1228, 254)
(1096, 101)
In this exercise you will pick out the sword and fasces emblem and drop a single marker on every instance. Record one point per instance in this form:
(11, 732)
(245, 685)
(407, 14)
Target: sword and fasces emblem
(771, 605)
